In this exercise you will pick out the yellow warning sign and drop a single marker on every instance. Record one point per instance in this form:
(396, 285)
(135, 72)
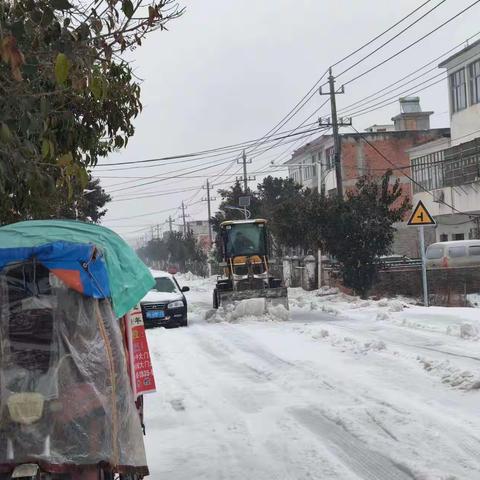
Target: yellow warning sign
(421, 216)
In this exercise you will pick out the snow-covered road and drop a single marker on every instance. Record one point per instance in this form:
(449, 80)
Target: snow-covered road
(344, 390)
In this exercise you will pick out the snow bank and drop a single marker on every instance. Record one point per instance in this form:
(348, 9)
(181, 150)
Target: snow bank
(473, 299)
(451, 375)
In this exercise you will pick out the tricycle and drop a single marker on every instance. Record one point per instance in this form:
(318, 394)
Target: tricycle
(67, 407)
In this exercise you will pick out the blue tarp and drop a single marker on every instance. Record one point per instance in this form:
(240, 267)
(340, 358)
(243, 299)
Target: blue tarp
(79, 265)
(90, 258)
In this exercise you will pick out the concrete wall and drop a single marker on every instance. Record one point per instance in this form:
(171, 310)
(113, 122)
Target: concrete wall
(466, 125)
(464, 199)
(464, 122)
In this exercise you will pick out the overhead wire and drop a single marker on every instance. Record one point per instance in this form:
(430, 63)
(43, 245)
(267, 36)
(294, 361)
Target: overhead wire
(390, 40)
(436, 59)
(373, 40)
(412, 44)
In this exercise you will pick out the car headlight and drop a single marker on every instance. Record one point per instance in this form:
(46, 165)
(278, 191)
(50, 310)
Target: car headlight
(177, 304)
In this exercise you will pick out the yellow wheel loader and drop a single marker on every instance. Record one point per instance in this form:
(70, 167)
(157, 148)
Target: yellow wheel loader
(246, 266)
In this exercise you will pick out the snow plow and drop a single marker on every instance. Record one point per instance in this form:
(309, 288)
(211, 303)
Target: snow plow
(246, 272)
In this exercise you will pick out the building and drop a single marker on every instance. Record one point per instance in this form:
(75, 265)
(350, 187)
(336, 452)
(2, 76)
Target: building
(313, 164)
(446, 173)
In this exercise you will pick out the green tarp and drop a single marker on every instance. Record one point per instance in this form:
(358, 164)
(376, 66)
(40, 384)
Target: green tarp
(129, 277)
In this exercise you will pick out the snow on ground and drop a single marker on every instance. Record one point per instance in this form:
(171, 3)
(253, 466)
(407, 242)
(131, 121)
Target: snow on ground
(344, 390)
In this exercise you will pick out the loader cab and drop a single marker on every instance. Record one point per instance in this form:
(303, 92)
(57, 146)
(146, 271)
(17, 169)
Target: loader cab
(244, 238)
(245, 253)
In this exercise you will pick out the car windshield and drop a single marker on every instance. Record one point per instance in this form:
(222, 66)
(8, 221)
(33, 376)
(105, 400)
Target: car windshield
(245, 239)
(164, 284)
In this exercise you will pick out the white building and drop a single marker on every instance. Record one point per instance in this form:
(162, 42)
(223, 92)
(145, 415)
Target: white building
(447, 172)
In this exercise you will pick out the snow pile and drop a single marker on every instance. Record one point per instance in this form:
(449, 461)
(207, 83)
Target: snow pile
(254, 309)
(332, 301)
(468, 330)
(473, 300)
(461, 322)
(451, 375)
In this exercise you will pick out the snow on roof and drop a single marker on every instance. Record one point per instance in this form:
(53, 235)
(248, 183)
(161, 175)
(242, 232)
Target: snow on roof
(456, 243)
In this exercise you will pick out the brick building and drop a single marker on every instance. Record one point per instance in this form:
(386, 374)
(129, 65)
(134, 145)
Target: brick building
(312, 165)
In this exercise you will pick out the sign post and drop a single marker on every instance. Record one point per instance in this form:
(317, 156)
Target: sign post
(419, 218)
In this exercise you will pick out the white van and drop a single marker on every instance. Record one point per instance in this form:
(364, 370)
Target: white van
(460, 253)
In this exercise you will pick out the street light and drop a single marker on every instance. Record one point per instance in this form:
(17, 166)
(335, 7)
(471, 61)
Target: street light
(244, 210)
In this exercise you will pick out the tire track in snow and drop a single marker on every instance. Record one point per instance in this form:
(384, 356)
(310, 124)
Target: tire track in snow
(365, 463)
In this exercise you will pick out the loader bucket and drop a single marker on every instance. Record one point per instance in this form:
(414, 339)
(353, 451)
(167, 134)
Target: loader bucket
(272, 296)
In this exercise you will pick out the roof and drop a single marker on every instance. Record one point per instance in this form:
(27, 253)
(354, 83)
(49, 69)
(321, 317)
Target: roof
(456, 243)
(458, 54)
(243, 222)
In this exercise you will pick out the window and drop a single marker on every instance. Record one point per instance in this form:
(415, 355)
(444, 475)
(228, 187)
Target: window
(444, 237)
(434, 253)
(458, 236)
(475, 82)
(428, 172)
(458, 87)
(457, 252)
(330, 158)
(475, 250)
(310, 168)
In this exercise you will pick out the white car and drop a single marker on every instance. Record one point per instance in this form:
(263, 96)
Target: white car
(165, 305)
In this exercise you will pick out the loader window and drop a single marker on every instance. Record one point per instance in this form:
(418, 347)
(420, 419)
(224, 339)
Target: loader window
(245, 239)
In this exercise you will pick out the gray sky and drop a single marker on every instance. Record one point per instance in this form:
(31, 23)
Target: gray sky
(229, 70)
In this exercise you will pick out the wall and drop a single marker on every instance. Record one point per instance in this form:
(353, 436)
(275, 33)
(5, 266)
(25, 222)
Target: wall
(447, 287)
(465, 199)
(466, 125)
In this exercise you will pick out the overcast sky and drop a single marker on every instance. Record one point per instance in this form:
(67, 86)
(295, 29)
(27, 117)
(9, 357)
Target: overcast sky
(229, 70)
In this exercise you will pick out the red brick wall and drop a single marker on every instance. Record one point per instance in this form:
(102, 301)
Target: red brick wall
(356, 152)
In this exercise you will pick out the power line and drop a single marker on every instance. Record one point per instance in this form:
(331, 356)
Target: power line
(173, 174)
(213, 152)
(383, 62)
(390, 40)
(361, 101)
(310, 94)
(373, 40)
(382, 104)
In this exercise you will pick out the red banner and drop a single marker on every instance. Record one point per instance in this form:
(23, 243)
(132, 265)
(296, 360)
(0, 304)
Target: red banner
(141, 370)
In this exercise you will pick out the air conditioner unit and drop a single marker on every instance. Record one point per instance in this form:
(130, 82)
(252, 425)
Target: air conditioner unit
(438, 196)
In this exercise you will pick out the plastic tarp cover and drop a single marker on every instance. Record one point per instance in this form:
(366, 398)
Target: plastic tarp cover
(65, 393)
(128, 276)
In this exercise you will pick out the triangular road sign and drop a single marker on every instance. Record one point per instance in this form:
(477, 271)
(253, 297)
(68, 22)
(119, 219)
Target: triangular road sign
(421, 216)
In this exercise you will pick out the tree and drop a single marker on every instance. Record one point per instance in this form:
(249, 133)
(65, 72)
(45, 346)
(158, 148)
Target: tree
(89, 207)
(358, 230)
(68, 98)
(176, 249)
(281, 202)
(230, 198)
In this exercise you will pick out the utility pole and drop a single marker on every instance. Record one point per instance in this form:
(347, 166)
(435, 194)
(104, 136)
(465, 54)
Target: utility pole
(184, 222)
(245, 177)
(158, 231)
(170, 222)
(334, 123)
(209, 199)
